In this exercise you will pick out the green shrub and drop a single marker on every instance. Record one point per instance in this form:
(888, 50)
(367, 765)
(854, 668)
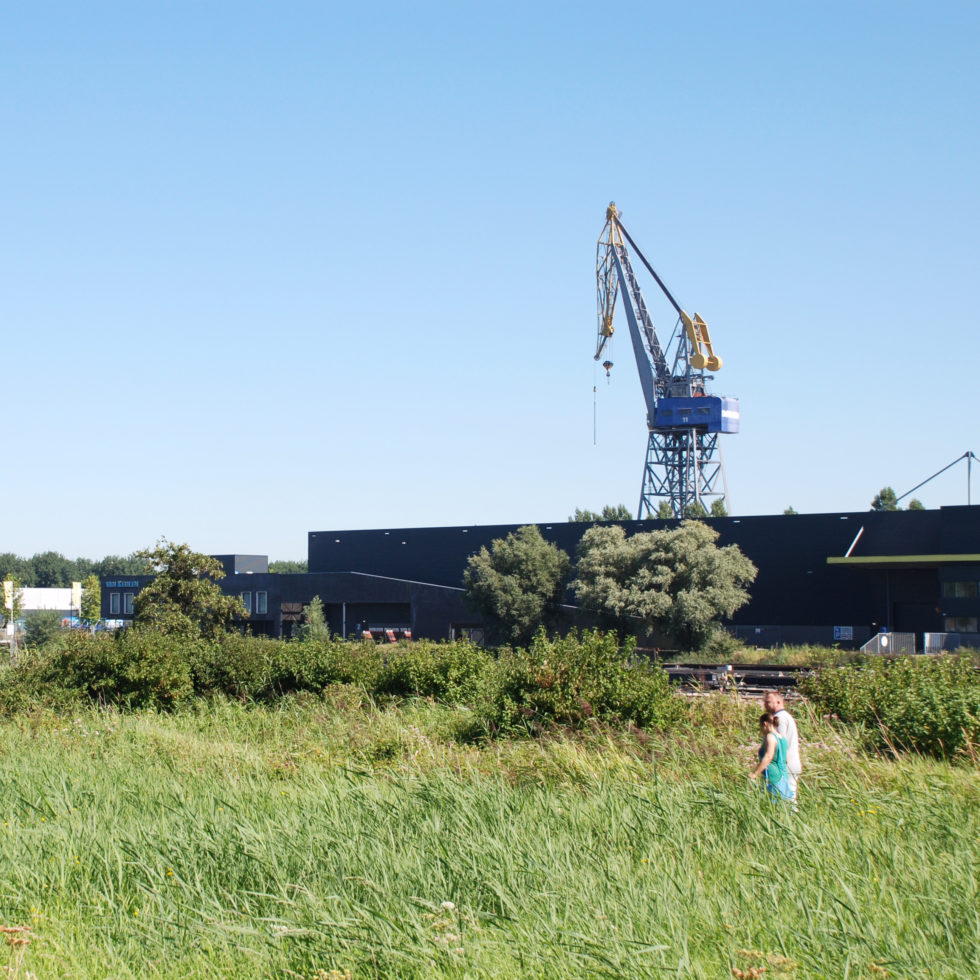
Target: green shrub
(453, 673)
(131, 668)
(574, 678)
(921, 704)
(235, 664)
(313, 664)
(41, 627)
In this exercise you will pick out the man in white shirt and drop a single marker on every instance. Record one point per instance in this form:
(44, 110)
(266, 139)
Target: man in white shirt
(786, 728)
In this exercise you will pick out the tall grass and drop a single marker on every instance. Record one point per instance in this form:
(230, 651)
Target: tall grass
(331, 835)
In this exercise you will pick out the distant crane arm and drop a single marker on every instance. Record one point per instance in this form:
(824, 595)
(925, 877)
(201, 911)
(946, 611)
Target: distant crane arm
(703, 355)
(614, 274)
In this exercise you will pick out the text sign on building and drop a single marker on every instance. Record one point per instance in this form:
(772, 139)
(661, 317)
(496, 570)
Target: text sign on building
(843, 632)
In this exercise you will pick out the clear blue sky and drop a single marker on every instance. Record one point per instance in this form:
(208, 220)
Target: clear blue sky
(272, 268)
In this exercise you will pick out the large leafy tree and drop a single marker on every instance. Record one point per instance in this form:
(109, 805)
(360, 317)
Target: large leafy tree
(52, 570)
(184, 599)
(677, 581)
(518, 585)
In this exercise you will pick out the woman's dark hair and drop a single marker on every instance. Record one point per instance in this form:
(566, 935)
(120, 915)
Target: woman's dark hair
(768, 718)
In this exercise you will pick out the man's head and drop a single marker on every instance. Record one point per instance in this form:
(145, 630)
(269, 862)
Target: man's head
(773, 701)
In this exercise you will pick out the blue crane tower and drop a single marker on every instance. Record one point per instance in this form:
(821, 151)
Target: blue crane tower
(683, 465)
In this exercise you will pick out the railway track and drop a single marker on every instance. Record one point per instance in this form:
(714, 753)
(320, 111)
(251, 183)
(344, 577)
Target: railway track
(749, 679)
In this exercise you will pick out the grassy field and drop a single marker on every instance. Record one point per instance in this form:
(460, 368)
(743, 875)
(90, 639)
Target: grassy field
(327, 838)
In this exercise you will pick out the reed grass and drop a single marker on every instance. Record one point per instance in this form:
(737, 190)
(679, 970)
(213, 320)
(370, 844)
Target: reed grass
(330, 837)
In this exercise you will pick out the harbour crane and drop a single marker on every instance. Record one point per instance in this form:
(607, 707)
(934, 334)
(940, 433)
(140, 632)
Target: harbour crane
(683, 464)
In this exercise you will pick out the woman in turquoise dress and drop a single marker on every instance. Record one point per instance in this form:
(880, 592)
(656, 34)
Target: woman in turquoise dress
(772, 759)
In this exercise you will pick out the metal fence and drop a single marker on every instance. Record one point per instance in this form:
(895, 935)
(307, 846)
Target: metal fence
(939, 642)
(897, 643)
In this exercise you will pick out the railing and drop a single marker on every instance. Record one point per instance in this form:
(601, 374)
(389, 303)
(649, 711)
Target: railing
(894, 643)
(939, 642)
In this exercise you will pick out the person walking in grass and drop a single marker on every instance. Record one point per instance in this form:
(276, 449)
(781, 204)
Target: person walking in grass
(786, 727)
(772, 759)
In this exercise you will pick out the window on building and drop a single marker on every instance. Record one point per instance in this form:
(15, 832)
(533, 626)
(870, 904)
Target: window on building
(261, 603)
(128, 603)
(960, 590)
(961, 624)
(247, 600)
(114, 604)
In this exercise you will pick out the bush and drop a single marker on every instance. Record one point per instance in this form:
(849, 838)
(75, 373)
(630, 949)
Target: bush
(453, 673)
(921, 704)
(580, 676)
(235, 664)
(313, 664)
(131, 668)
(568, 680)
(41, 626)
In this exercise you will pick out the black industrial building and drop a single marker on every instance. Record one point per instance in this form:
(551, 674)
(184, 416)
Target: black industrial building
(823, 578)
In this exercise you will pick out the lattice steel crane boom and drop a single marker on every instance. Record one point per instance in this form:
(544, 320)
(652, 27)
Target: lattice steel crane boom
(683, 462)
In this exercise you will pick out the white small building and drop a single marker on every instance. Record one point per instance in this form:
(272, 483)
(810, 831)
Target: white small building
(33, 600)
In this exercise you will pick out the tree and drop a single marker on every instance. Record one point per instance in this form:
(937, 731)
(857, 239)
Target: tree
(41, 626)
(664, 511)
(885, 499)
(52, 570)
(791, 510)
(314, 625)
(288, 567)
(91, 611)
(718, 508)
(677, 581)
(695, 509)
(13, 598)
(184, 599)
(518, 585)
(14, 567)
(611, 512)
(81, 568)
(13, 609)
(115, 566)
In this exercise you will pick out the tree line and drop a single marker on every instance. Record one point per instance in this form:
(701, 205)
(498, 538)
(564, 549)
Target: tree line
(52, 570)
(620, 512)
(675, 582)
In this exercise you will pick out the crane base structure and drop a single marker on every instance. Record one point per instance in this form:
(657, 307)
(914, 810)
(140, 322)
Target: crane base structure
(682, 465)
(684, 468)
